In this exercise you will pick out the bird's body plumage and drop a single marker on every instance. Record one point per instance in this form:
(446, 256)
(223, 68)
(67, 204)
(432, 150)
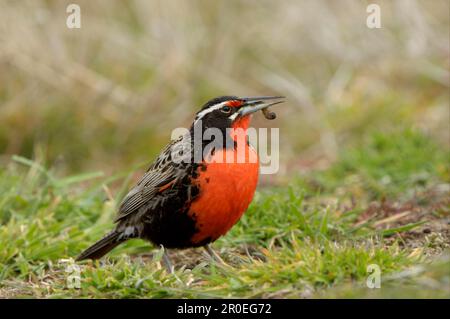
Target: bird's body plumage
(182, 203)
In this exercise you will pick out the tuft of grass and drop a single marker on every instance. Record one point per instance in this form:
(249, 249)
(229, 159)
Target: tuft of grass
(430, 280)
(388, 164)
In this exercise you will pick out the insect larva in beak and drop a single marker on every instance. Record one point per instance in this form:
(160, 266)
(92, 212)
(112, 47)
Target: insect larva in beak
(269, 114)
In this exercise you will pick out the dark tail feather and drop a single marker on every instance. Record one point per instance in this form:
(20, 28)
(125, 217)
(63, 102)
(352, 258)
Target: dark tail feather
(102, 247)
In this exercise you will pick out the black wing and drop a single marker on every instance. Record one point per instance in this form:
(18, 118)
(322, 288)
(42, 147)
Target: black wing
(164, 173)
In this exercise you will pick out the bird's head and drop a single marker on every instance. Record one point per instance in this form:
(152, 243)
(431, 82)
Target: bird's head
(232, 111)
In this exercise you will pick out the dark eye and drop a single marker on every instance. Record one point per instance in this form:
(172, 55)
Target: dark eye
(226, 109)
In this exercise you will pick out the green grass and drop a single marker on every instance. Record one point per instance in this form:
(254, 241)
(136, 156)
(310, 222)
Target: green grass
(384, 165)
(292, 243)
(429, 281)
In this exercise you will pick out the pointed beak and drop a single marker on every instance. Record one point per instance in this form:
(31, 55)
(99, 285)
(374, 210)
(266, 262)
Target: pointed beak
(257, 103)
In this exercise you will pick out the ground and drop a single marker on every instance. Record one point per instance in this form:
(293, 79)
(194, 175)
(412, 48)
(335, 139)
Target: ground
(313, 236)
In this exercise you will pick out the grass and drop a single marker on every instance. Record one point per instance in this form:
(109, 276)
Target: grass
(293, 242)
(389, 165)
(430, 281)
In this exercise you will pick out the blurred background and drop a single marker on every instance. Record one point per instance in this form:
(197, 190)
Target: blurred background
(107, 96)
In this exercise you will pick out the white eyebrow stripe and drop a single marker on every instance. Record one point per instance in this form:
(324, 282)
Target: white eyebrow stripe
(201, 114)
(233, 116)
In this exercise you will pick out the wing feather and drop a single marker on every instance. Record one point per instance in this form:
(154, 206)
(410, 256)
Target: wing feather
(160, 173)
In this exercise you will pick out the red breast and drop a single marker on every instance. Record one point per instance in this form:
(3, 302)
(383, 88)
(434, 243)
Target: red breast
(226, 187)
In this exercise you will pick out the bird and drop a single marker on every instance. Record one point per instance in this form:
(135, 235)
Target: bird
(198, 187)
